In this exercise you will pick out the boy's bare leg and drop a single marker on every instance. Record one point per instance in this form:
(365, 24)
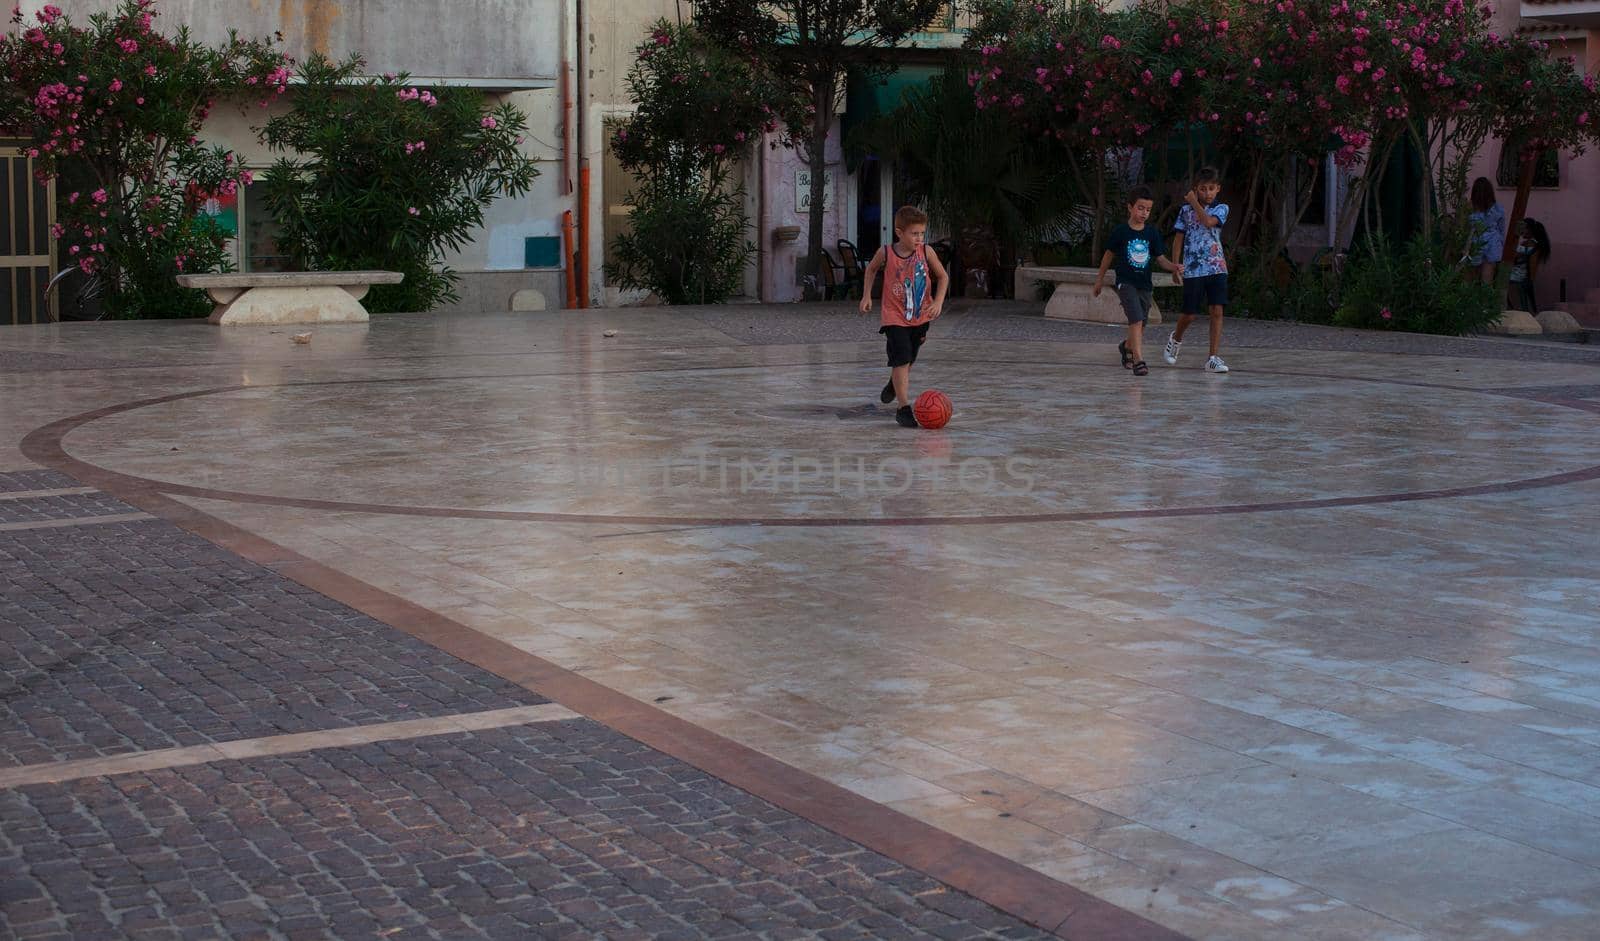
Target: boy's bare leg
(1216, 329)
(902, 381)
(1183, 325)
(1136, 340)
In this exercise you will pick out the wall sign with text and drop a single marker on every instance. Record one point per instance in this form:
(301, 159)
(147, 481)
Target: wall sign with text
(802, 191)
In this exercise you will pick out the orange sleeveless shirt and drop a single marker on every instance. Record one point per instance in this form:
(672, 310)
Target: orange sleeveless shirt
(907, 288)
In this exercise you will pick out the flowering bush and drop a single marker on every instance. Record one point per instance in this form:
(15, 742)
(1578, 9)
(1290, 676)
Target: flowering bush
(112, 111)
(700, 108)
(1279, 83)
(388, 176)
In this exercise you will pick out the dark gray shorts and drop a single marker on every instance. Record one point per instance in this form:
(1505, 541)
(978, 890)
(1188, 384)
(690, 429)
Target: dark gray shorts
(1136, 302)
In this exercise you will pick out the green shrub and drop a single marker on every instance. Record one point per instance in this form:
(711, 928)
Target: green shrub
(699, 108)
(1421, 288)
(1275, 288)
(389, 176)
(687, 246)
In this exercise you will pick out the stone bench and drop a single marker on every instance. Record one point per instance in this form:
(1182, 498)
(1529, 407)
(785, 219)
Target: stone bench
(1073, 297)
(285, 297)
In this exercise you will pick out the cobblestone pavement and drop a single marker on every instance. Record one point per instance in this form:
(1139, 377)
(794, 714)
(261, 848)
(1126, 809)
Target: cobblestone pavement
(138, 635)
(556, 830)
(20, 481)
(125, 636)
(60, 507)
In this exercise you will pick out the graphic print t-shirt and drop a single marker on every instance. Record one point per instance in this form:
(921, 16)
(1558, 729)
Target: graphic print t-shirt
(905, 288)
(1202, 246)
(1133, 251)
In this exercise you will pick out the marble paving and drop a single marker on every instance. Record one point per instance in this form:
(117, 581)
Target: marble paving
(1308, 651)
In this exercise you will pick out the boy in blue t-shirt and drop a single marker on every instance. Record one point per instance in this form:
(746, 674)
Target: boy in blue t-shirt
(1205, 269)
(1131, 248)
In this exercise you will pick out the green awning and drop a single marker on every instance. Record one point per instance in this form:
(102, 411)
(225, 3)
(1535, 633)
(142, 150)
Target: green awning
(866, 97)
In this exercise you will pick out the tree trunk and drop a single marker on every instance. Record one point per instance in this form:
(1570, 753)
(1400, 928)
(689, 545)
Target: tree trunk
(1099, 207)
(1519, 206)
(822, 100)
(1425, 210)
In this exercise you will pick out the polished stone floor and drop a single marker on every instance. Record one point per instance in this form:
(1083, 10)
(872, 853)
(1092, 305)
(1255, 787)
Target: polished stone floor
(1310, 650)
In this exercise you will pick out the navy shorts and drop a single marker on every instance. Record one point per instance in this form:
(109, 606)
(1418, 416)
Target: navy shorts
(903, 342)
(1201, 293)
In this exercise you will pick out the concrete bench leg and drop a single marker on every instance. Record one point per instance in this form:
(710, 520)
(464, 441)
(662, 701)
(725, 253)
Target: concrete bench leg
(288, 305)
(1077, 302)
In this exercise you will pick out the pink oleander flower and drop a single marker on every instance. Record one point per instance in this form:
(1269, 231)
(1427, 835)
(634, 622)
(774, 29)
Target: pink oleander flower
(99, 196)
(489, 122)
(1386, 314)
(413, 210)
(128, 46)
(116, 85)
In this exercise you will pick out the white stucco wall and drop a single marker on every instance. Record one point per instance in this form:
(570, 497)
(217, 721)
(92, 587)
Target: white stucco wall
(474, 40)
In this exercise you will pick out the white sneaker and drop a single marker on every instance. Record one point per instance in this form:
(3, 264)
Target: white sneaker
(1215, 364)
(1170, 354)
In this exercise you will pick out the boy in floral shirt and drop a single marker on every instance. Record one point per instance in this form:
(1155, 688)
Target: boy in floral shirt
(1205, 269)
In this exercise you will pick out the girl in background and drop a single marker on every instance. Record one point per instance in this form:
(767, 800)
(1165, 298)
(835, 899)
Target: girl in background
(1488, 231)
(1533, 250)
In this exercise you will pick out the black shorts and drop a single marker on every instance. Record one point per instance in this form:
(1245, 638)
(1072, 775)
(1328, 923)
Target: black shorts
(1201, 293)
(903, 343)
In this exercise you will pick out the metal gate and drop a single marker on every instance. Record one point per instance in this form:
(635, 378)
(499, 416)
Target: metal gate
(27, 208)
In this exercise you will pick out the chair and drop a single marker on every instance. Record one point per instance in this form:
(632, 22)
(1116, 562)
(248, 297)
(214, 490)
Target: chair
(855, 273)
(947, 257)
(829, 271)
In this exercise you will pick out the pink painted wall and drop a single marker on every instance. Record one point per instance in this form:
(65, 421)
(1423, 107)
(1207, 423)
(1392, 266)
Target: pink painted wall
(777, 186)
(1571, 212)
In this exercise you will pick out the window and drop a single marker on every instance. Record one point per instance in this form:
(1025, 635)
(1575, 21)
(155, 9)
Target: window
(616, 188)
(1546, 171)
(943, 21)
(1317, 200)
(261, 229)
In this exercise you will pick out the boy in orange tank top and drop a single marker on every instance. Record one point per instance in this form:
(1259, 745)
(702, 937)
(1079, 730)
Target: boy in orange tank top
(910, 271)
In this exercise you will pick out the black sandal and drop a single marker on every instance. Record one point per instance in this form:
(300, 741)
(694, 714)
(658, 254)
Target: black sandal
(1127, 357)
(1140, 369)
